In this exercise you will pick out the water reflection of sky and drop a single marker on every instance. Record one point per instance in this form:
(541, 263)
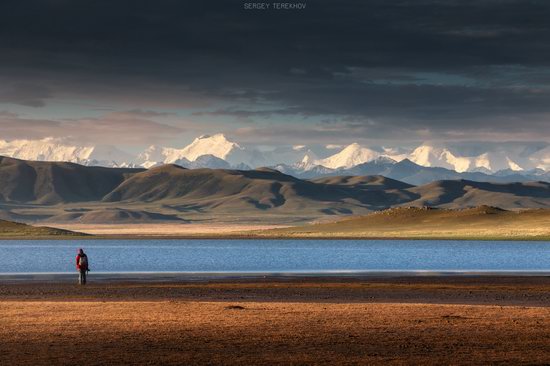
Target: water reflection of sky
(274, 255)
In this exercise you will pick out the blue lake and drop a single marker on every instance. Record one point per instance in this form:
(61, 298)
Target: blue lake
(52, 256)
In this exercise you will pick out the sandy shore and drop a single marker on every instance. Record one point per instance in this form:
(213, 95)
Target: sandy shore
(478, 223)
(420, 320)
(163, 230)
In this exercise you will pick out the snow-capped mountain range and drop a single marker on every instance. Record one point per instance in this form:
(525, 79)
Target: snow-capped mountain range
(210, 149)
(216, 151)
(50, 149)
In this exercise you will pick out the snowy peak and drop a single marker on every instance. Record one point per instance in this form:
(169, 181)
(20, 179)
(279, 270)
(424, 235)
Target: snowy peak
(151, 156)
(217, 151)
(489, 161)
(430, 156)
(216, 145)
(350, 156)
(51, 149)
(484, 158)
(195, 154)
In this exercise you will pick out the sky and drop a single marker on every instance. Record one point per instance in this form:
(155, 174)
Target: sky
(134, 73)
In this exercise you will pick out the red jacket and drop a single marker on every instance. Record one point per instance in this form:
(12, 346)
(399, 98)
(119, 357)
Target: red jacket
(78, 266)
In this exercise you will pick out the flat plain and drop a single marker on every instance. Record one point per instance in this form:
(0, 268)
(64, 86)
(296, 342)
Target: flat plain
(436, 320)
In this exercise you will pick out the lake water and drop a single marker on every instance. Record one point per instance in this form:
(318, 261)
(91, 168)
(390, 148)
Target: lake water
(274, 256)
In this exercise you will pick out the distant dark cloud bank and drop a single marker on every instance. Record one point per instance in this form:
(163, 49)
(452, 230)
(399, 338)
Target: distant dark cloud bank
(334, 70)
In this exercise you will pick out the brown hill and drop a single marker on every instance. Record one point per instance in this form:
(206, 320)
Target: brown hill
(268, 189)
(113, 215)
(261, 189)
(369, 182)
(465, 193)
(40, 190)
(52, 182)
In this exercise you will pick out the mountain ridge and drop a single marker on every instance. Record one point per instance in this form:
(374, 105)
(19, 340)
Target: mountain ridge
(412, 173)
(217, 151)
(56, 182)
(41, 190)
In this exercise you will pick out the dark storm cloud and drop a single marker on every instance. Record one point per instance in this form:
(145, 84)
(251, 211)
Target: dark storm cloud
(393, 67)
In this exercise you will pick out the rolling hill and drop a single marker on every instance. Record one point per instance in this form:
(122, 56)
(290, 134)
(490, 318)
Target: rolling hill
(53, 183)
(372, 182)
(245, 190)
(466, 193)
(34, 191)
(113, 215)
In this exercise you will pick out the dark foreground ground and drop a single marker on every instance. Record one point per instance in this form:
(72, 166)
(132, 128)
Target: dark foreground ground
(410, 320)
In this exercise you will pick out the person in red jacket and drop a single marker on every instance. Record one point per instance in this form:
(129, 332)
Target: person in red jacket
(82, 266)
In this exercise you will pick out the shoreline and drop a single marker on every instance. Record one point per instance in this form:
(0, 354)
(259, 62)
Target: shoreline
(272, 237)
(488, 289)
(198, 276)
(482, 223)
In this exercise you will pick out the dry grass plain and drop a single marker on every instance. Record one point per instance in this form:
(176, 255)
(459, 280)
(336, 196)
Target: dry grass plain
(259, 333)
(10, 229)
(164, 229)
(439, 320)
(487, 223)
(483, 223)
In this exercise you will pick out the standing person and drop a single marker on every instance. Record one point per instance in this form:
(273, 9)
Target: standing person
(82, 266)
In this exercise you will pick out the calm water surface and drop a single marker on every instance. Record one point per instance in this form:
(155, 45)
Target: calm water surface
(26, 256)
